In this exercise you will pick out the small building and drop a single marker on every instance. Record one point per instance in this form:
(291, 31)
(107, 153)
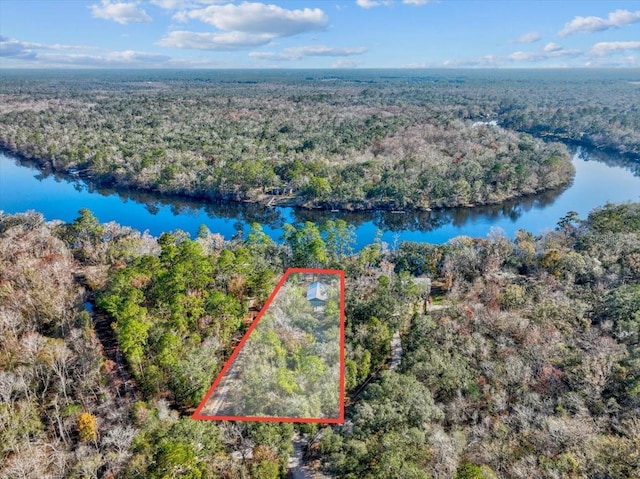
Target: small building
(317, 295)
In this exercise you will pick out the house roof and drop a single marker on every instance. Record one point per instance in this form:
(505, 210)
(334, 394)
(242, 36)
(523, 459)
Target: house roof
(317, 291)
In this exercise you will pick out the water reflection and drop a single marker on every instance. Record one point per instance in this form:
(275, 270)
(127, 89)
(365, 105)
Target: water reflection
(275, 218)
(600, 177)
(627, 162)
(154, 203)
(431, 220)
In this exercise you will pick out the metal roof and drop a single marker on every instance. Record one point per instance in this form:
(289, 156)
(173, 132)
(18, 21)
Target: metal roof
(317, 291)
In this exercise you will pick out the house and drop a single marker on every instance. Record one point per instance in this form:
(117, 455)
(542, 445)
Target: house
(317, 295)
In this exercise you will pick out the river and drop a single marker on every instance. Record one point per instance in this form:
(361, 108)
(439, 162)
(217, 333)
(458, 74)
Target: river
(599, 179)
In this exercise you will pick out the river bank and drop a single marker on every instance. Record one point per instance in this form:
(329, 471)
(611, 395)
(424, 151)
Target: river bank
(285, 199)
(598, 179)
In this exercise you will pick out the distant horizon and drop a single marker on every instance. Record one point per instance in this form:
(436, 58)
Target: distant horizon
(325, 69)
(319, 34)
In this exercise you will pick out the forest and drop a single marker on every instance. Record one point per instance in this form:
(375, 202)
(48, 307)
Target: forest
(353, 141)
(521, 360)
(290, 365)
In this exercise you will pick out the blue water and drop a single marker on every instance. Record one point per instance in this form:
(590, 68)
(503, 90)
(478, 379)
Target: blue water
(24, 187)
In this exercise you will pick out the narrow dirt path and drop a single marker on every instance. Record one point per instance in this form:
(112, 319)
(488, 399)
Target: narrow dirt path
(120, 381)
(296, 460)
(396, 351)
(297, 467)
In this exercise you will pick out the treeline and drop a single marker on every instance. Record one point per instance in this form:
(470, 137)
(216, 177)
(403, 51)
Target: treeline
(526, 363)
(313, 143)
(532, 371)
(289, 367)
(174, 304)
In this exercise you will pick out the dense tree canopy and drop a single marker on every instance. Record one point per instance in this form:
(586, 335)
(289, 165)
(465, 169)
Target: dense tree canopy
(527, 364)
(391, 144)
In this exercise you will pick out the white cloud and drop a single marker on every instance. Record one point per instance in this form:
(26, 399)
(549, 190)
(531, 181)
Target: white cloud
(324, 51)
(609, 48)
(169, 4)
(243, 26)
(297, 53)
(630, 61)
(227, 41)
(183, 4)
(368, 3)
(615, 19)
(344, 63)
(120, 12)
(37, 54)
(551, 50)
(387, 3)
(125, 58)
(552, 47)
(16, 49)
(483, 61)
(258, 18)
(529, 37)
(520, 56)
(134, 56)
(27, 50)
(270, 56)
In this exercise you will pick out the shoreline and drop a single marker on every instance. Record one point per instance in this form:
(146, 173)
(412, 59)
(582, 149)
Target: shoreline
(264, 200)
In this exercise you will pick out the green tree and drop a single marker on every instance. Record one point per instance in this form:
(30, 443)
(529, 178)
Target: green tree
(132, 324)
(84, 236)
(339, 239)
(473, 471)
(257, 239)
(307, 247)
(622, 306)
(176, 460)
(350, 374)
(318, 188)
(568, 221)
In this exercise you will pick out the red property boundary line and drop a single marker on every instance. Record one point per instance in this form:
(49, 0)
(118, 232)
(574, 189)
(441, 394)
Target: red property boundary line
(339, 420)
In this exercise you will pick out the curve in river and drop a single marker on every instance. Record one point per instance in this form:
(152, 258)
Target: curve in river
(599, 179)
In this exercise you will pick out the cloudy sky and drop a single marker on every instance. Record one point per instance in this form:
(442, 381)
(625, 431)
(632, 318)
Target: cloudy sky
(319, 33)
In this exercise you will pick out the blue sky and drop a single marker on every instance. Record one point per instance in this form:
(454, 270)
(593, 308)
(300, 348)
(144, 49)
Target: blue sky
(319, 34)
